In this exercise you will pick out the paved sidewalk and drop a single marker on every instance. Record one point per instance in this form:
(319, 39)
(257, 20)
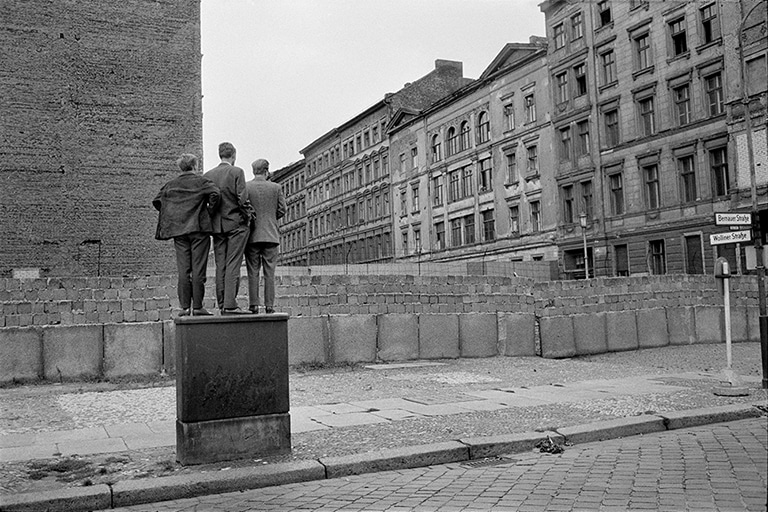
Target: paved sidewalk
(348, 421)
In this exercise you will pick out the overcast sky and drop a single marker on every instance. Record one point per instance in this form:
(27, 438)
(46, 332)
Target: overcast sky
(278, 74)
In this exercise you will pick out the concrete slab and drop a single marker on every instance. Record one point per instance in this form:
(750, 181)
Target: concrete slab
(493, 446)
(153, 440)
(681, 325)
(753, 323)
(510, 397)
(589, 334)
(161, 427)
(652, 328)
(340, 408)
(695, 417)
(435, 410)
(402, 366)
(300, 425)
(169, 347)
(483, 405)
(133, 349)
(12, 440)
(353, 338)
(21, 354)
(709, 324)
(128, 429)
(557, 339)
(612, 429)
(72, 351)
(80, 434)
(96, 497)
(554, 394)
(308, 340)
(398, 337)
(29, 452)
(478, 335)
(92, 446)
(739, 325)
(350, 419)
(438, 336)
(307, 411)
(621, 330)
(381, 404)
(517, 334)
(396, 414)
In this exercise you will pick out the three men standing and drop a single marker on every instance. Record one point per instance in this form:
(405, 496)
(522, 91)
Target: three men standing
(261, 250)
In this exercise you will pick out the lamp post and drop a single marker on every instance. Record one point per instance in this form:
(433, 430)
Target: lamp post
(583, 224)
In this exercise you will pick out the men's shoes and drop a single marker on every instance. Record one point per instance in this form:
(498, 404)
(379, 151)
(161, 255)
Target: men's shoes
(235, 311)
(184, 312)
(270, 310)
(254, 309)
(201, 312)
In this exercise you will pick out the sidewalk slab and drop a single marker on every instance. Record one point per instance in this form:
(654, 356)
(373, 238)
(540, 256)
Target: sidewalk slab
(96, 497)
(396, 414)
(300, 425)
(696, 417)
(350, 419)
(150, 441)
(29, 452)
(80, 434)
(128, 430)
(612, 429)
(92, 446)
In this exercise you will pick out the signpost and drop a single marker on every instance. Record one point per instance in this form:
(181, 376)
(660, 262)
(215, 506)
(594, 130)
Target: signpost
(733, 219)
(730, 237)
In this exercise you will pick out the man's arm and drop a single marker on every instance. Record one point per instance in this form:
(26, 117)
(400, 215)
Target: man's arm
(242, 196)
(157, 201)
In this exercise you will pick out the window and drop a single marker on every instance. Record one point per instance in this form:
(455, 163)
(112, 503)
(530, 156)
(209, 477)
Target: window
(562, 87)
(713, 85)
(694, 258)
(464, 141)
(440, 235)
(530, 109)
(682, 99)
(437, 191)
(718, 161)
(489, 226)
(559, 33)
(710, 26)
(679, 37)
(366, 139)
(402, 167)
(509, 117)
(455, 232)
(466, 182)
(608, 60)
(535, 216)
(376, 169)
(647, 118)
(511, 167)
(657, 257)
(577, 26)
(417, 240)
(582, 148)
(616, 183)
(415, 198)
(580, 76)
(486, 178)
(621, 260)
(452, 142)
(567, 192)
(586, 199)
(643, 51)
(404, 236)
(604, 12)
(611, 118)
(375, 133)
(533, 160)
(652, 187)
(514, 220)
(414, 157)
(436, 148)
(687, 178)
(469, 229)
(565, 143)
(453, 186)
(483, 128)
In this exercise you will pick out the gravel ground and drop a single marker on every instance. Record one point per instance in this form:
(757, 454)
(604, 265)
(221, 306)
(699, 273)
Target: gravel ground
(59, 407)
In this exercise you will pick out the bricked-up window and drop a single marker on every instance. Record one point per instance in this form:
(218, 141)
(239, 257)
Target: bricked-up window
(533, 160)
(402, 166)
(577, 26)
(483, 128)
(404, 238)
(582, 145)
(682, 98)
(567, 193)
(415, 198)
(687, 170)
(565, 143)
(414, 157)
(561, 79)
(437, 191)
(718, 161)
(611, 118)
(608, 62)
(694, 256)
(455, 232)
(586, 199)
(514, 220)
(657, 257)
(440, 235)
(530, 108)
(489, 226)
(616, 184)
(621, 260)
(452, 141)
(713, 86)
(535, 216)
(710, 24)
(467, 189)
(580, 78)
(486, 175)
(604, 12)
(465, 141)
(453, 185)
(647, 116)
(642, 45)
(677, 32)
(559, 33)
(652, 186)
(436, 148)
(512, 176)
(509, 117)
(469, 229)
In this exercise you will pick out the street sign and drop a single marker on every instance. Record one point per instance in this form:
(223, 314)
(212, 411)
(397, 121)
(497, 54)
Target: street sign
(733, 219)
(731, 237)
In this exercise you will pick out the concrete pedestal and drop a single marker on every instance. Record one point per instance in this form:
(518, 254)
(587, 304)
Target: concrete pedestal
(231, 387)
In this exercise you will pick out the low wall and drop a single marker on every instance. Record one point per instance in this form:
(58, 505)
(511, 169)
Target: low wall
(108, 328)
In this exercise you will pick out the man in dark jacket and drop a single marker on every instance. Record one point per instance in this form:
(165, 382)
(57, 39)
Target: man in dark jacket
(230, 228)
(184, 204)
(268, 204)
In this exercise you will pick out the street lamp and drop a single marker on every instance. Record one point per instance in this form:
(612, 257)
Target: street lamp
(583, 224)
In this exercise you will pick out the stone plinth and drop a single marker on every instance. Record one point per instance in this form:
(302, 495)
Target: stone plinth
(231, 387)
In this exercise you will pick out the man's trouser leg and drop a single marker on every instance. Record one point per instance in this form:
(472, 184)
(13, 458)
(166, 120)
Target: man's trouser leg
(235, 247)
(201, 244)
(253, 264)
(183, 247)
(269, 253)
(220, 258)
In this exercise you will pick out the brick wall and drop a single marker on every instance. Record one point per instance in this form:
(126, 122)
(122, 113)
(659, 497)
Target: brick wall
(98, 100)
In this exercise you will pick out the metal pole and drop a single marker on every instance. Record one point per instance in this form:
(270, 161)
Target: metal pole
(586, 256)
(727, 304)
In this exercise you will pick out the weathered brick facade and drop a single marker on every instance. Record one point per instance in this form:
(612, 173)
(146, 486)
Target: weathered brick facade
(98, 99)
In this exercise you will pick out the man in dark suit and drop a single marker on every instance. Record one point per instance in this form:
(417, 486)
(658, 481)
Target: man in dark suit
(230, 228)
(268, 205)
(185, 204)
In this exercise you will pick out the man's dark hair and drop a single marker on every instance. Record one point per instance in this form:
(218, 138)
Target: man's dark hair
(187, 162)
(226, 150)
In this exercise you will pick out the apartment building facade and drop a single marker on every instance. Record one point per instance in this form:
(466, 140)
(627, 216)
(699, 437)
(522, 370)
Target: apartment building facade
(293, 225)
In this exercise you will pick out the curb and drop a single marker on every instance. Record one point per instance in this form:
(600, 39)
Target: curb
(136, 492)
